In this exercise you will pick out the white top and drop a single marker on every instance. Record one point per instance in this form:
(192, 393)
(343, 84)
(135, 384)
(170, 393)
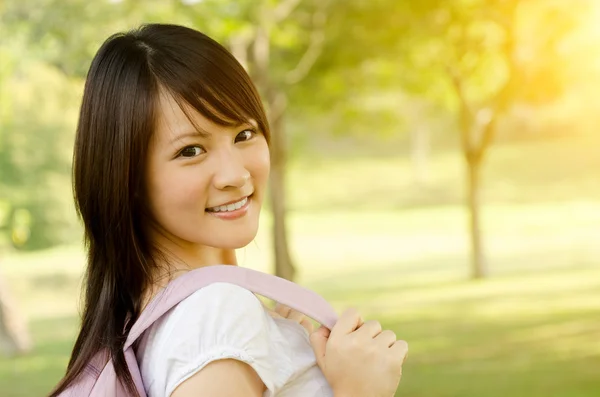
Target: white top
(224, 320)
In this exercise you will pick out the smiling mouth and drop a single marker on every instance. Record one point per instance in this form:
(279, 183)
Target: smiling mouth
(230, 207)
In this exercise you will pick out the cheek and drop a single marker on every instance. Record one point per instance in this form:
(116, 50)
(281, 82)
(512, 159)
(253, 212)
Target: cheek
(176, 188)
(260, 163)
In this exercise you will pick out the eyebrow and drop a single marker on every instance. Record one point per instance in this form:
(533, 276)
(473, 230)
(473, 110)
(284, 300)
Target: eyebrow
(205, 134)
(194, 133)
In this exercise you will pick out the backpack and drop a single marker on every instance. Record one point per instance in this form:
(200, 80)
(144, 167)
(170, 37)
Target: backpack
(99, 377)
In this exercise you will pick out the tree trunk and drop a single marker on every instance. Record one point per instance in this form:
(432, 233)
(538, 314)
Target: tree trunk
(277, 102)
(14, 338)
(284, 266)
(478, 265)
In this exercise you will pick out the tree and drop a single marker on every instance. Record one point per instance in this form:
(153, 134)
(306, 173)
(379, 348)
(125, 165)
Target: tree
(464, 54)
(277, 101)
(268, 39)
(479, 118)
(260, 34)
(461, 55)
(457, 54)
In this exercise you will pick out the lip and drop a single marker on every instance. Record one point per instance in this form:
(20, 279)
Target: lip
(236, 214)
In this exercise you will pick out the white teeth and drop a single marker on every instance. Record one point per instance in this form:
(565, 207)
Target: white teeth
(230, 207)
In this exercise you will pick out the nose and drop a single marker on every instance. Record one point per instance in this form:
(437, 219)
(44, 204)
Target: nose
(230, 171)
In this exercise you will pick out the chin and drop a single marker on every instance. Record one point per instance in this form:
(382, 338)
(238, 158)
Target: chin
(233, 240)
(234, 244)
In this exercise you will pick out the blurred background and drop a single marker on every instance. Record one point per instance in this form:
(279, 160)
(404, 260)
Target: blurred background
(436, 164)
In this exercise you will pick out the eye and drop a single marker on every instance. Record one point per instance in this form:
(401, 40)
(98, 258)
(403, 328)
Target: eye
(245, 135)
(191, 151)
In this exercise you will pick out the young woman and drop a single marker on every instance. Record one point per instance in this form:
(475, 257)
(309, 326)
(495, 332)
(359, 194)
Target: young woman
(171, 165)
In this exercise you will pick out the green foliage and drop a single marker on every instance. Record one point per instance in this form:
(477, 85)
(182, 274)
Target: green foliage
(378, 61)
(36, 130)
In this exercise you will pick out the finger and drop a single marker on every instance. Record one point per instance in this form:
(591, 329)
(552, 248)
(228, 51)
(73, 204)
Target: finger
(386, 338)
(296, 316)
(283, 310)
(275, 314)
(318, 341)
(307, 324)
(400, 349)
(371, 329)
(348, 322)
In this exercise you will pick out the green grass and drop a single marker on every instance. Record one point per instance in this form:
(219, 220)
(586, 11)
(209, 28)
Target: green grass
(523, 335)
(36, 373)
(360, 239)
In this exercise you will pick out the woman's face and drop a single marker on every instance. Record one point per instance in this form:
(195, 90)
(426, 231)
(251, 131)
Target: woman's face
(205, 188)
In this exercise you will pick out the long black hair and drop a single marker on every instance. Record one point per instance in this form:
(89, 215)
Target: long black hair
(116, 123)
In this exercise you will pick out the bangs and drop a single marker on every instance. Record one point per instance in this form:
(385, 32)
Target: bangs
(209, 80)
(219, 109)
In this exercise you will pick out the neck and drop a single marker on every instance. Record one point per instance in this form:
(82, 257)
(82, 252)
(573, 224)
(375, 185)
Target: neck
(176, 254)
(184, 258)
(176, 258)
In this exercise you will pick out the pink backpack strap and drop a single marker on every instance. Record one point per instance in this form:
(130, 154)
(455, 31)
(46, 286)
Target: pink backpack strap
(99, 378)
(276, 288)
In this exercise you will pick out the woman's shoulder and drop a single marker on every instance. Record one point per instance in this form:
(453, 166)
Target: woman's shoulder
(219, 321)
(217, 312)
(223, 298)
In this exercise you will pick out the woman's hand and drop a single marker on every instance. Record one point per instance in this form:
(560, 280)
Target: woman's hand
(358, 358)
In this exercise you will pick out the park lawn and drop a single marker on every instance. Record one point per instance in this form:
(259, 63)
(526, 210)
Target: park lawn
(363, 237)
(532, 329)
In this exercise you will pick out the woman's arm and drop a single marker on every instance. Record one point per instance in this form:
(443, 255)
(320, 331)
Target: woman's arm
(223, 378)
